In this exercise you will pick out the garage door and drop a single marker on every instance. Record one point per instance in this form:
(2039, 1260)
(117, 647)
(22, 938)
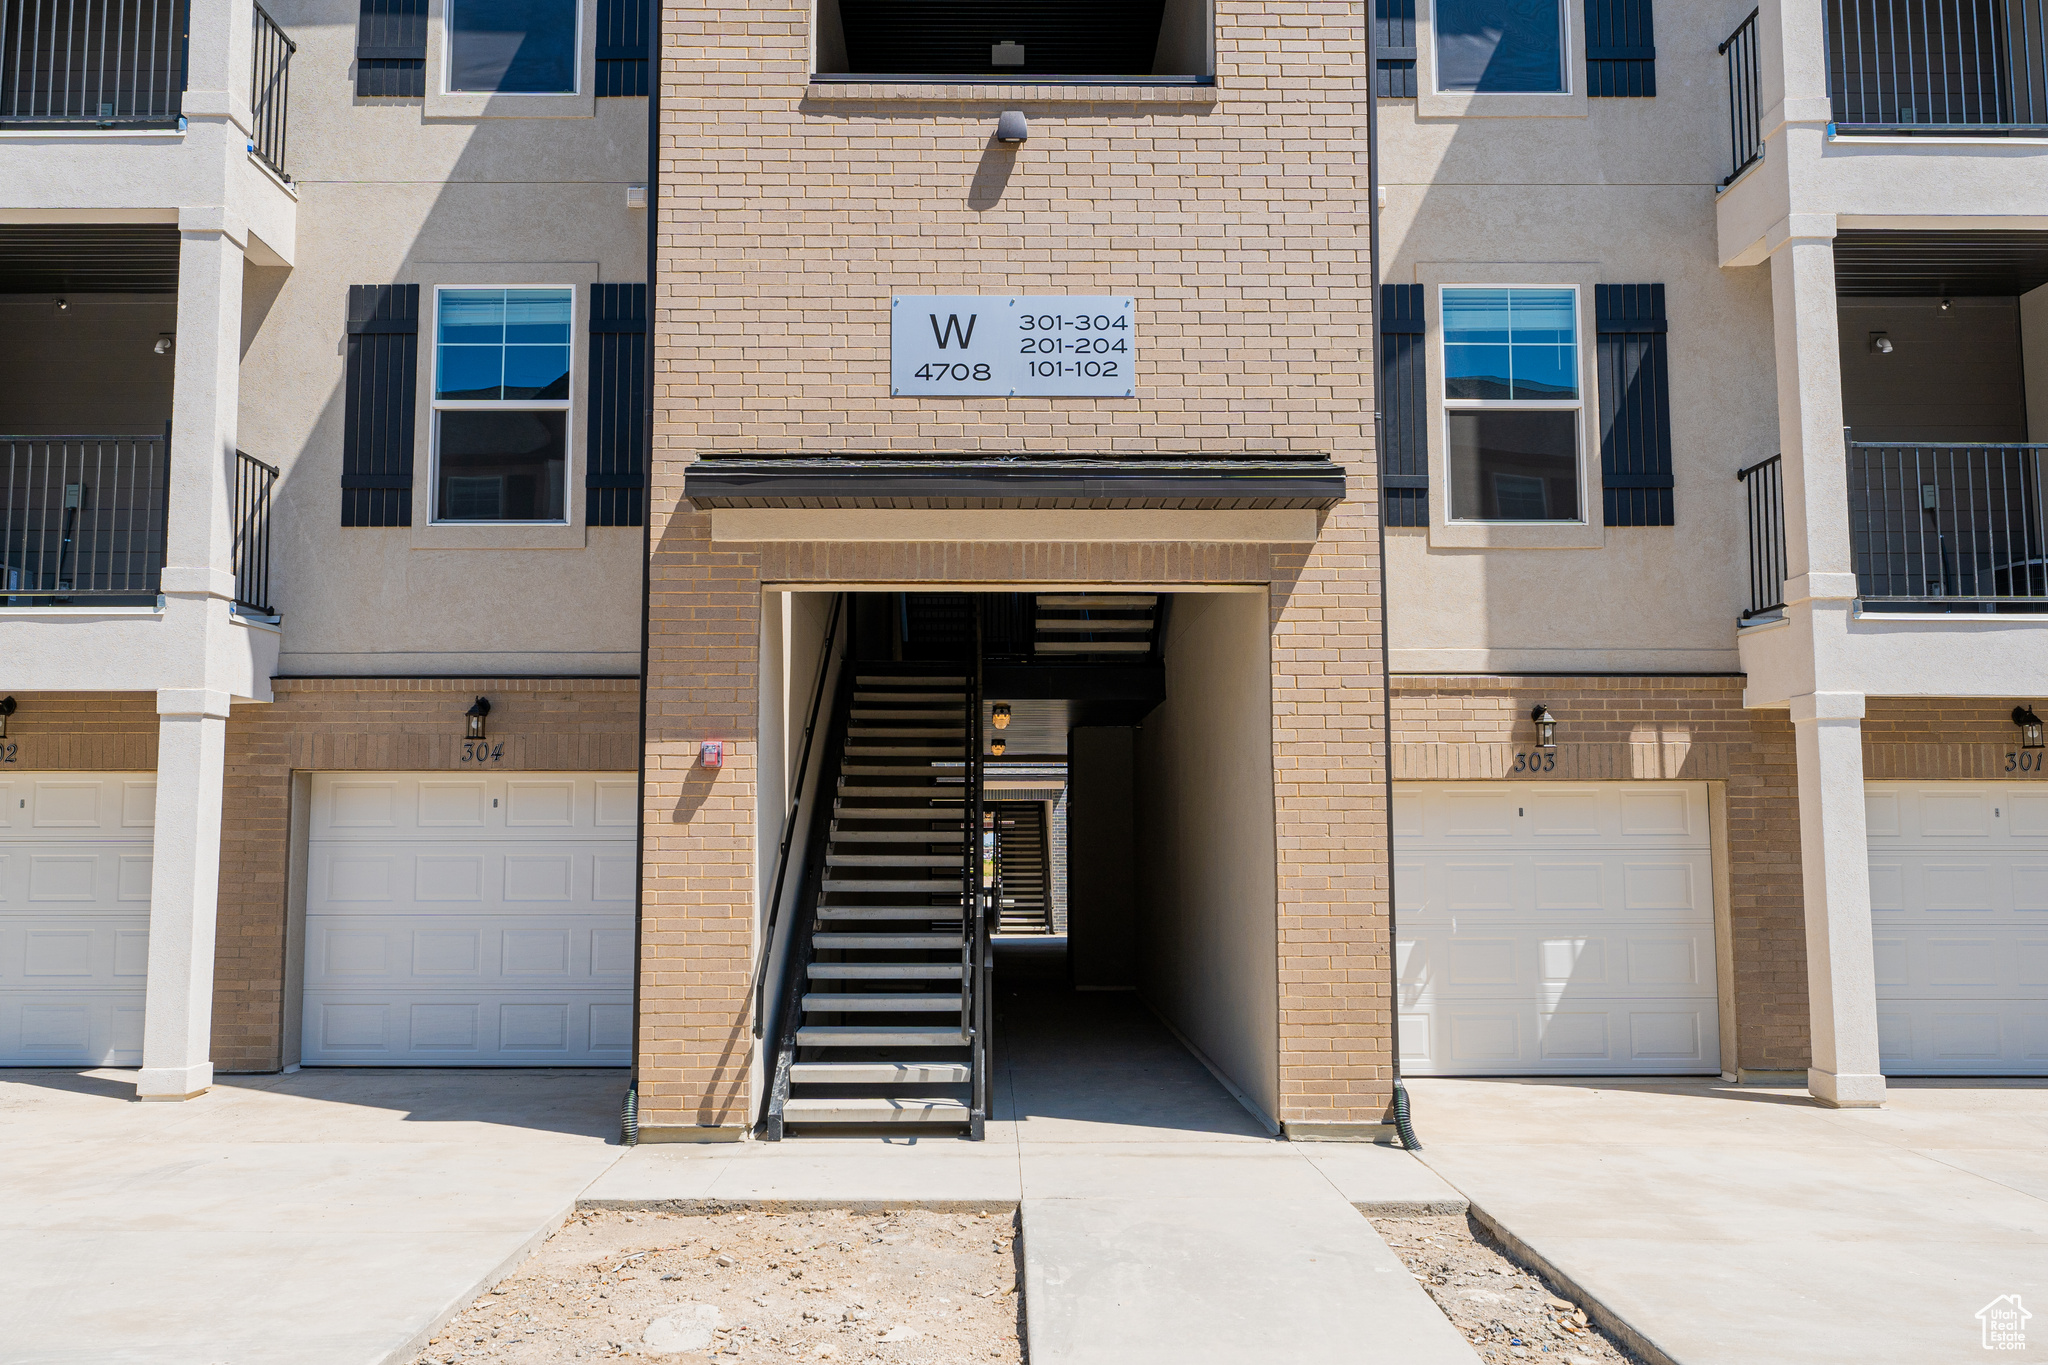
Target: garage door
(1959, 918)
(74, 917)
(1547, 927)
(463, 920)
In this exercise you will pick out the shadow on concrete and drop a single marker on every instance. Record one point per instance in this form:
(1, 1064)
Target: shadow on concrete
(1094, 1065)
(120, 1086)
(584, 1103)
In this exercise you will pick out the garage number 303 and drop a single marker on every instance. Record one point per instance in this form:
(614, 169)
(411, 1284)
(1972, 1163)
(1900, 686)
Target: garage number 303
(1535, 763)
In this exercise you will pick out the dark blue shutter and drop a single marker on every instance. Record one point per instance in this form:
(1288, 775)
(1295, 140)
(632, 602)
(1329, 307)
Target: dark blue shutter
(617, 466)
(1393, 38)
(391, 49)
(621, 48)
(1635, 404)
(1621, 49)
(1404, 406)
(377, 422)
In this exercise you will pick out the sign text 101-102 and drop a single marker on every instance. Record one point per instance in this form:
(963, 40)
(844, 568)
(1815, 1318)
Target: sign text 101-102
(997, 345)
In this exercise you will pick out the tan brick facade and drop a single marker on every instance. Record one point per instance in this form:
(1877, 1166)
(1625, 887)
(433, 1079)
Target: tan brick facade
(82, 732)
(1624, 728)
(788, 215)
(367, 725)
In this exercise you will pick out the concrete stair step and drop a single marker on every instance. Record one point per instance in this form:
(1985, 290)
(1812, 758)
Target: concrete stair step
(892, 860)
(878, 1002)
(880, 1073)
(867, 942)
(885, 971)
(894, 1109)
(878, 1035)
(873, 912)
(893, 884)
(895, 836)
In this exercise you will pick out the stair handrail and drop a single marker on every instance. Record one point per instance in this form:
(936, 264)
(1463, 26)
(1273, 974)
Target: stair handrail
(796, 801)
(974, 923)
(803, 947)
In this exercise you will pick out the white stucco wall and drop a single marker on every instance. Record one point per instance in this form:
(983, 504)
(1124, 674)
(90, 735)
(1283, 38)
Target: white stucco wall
(1207, 883)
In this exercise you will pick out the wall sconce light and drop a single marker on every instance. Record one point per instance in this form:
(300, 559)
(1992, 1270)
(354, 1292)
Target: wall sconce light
(1944, 305)
(997, 745)
(1000, 714)
(2022, 716)
(63, 305)
(476, 716)
(1010, 124)
(1880, 343)
(163, 344)
(1546, 726)
(7, 705)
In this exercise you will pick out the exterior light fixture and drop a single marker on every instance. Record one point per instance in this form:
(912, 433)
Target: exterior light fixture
(63, 304)
(7, 706)
(163, 344)
(1880, 343)
(1944, 305)
(1546, 726)
(1000, 714)
(997, 745)
(2022, 716)
(1010, 125)
(476, 715)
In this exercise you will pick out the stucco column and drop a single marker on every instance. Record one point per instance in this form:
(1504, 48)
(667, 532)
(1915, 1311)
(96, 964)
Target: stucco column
(177, 1018)
(1841, 977)
(1807, 332)
(205, 398)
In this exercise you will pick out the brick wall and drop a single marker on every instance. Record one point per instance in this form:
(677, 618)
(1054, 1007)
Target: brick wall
(82, 732)
(367, 725)
(787, 218)
(1621, 728)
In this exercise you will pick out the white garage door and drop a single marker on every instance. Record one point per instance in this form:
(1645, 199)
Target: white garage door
(1959, 918)
(1547, 927)
(470, 920)
(74, 916)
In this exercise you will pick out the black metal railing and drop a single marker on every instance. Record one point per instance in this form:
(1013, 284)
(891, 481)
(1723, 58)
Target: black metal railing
(1763, 489)
(92, 63)
(254, 483)
(1952, 66)
(976, 1017)
(82, 519)
(1938, 524)
(1745, 110)
(270, 80)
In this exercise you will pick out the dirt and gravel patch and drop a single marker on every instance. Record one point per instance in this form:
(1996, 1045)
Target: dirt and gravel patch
(1505, 1311)
(908, 1288)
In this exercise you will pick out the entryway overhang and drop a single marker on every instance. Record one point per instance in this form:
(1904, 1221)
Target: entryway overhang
(1275, 499)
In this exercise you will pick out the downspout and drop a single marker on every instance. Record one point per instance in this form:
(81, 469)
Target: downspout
(629, 1113)
(1372, 189)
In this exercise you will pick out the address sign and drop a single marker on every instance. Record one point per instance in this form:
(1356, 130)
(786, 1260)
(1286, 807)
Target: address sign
(996, 345)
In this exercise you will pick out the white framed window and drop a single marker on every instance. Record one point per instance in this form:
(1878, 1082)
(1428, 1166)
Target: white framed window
(1514, 409)
(503, 357)
(1501, 47)
(513, 47)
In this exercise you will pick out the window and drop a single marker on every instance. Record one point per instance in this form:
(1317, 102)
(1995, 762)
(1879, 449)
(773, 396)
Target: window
(1156, 41)
(501, 404)
(1500, 46)
(1511, 403)
(512, 47)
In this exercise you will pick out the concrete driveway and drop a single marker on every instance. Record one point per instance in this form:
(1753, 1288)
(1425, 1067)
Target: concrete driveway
(1746, 1225)
(326, 1216)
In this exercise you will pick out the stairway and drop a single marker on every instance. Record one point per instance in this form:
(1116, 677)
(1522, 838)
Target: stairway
(1094, 626)
(1023, 882)
(886, 1032)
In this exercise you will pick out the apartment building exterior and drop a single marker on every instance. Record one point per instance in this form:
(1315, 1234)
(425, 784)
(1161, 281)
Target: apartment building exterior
(322, 433)
(1707, 356)
(1603, 651)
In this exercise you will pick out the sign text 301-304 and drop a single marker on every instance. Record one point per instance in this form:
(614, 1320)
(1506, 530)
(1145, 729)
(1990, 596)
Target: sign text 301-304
(997, 345)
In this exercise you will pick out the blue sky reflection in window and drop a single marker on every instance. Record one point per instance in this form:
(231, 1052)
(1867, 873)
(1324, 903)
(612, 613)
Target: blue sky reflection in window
(1500, 47)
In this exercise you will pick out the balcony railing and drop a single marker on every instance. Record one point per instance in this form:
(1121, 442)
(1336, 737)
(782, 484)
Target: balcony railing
(1936, 526)
(82, 519)
(92, 63)
(1763, 490)
(270, 80)
(1745, 131)
(1948, 66)
(254, 482)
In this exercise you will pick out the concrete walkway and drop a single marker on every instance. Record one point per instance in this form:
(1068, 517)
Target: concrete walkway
(322, 1217)
(1161, 1224)
(1751, 1226)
